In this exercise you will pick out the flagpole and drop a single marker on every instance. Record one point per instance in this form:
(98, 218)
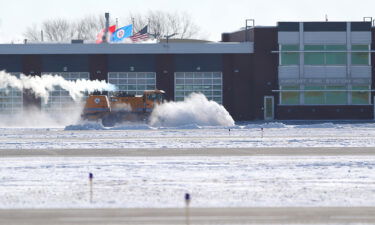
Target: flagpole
(148, 26)
(133, 25)
(116, 23)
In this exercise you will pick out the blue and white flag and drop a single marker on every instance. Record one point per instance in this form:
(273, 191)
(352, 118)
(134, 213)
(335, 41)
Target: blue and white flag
(122, 33)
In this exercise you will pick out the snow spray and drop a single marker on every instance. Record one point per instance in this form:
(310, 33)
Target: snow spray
(33, 117)
(195, 109)
(42, 85)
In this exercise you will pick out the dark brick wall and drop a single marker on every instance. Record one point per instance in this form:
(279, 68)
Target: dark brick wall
(237, 80)
(265, 67)
(165, 75)
(244, 91)
(98, 67)
(11, 63)
(137, 62)
(72, 63)
(373, 63)
(238, 36)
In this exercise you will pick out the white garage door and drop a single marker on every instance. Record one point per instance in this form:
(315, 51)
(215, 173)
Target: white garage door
(208, 83)
(133, 82)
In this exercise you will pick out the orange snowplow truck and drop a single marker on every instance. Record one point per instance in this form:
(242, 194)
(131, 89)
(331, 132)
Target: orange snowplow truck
(121, 107)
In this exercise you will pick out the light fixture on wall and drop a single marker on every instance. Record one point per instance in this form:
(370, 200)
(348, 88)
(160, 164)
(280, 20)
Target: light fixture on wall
(198, 68)
(236, 70)
(65, 68)
(165, 71)
(132, 68)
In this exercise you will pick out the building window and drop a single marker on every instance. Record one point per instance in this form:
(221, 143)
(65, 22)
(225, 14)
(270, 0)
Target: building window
(11, 99)
(332, 56)
(133, 82)
(314, 95)
(360, 58)
(289, 97)
(336, 97)
(208, 83)
(325, 95)
(335, 58)
(362, 96)
(314, 58)
(59, 99)
(289, 58)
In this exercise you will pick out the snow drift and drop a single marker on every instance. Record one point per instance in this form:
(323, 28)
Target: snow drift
(195, 109)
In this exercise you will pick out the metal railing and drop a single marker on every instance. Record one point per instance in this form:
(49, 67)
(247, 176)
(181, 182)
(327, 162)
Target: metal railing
(249, 23)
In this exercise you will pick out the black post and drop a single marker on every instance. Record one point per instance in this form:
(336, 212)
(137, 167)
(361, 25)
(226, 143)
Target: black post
(187, 203)
(91, 177)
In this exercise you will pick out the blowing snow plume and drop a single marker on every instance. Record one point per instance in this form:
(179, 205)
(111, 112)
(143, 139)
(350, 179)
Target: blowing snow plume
(42, 85)
(195, 109)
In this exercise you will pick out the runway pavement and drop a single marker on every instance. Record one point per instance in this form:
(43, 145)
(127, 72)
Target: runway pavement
(198, 216)
(131, 152)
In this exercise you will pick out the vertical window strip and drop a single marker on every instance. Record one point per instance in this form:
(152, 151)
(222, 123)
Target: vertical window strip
(11, 99)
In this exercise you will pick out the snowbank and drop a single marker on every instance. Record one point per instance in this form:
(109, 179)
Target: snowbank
(85, 126)
(320, 125)
(265, 125)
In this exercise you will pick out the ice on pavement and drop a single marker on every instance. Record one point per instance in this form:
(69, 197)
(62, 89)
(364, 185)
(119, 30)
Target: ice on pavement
(141, 182)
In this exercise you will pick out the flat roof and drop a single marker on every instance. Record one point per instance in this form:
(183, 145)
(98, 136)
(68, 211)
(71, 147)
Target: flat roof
(158, 48)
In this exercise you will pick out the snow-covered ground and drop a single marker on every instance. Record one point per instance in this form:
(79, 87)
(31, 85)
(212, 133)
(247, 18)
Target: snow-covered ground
(212, 181)
(217, 181)
(88, 136)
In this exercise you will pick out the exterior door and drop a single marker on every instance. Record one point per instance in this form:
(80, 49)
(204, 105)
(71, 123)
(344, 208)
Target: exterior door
(268, 108)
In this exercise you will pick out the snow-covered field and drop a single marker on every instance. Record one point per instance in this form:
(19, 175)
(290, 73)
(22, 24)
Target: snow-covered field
(212, 181)
(216, 181)
(88, 136)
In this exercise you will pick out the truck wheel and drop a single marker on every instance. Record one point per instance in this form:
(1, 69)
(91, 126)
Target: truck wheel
(109, 121)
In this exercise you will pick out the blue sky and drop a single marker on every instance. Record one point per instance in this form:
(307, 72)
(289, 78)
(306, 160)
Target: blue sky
(213, 16)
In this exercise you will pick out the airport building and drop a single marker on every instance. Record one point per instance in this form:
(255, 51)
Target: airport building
(292, 71)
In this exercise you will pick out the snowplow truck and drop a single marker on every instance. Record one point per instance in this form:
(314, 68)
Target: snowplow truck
(120, 107)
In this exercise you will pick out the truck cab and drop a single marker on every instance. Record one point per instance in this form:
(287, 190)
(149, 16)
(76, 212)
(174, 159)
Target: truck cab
(121, 106)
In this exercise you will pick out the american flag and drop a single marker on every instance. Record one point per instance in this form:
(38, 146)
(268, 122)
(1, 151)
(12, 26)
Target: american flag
(142, 35)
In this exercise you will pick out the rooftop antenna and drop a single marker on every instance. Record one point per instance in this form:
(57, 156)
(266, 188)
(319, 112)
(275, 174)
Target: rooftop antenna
(41, 36)
(326, 18)
(169, 36)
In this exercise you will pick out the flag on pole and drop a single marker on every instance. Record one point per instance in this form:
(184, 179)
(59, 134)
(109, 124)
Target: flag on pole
(142, 35)
(99, 37)
(122, 33)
